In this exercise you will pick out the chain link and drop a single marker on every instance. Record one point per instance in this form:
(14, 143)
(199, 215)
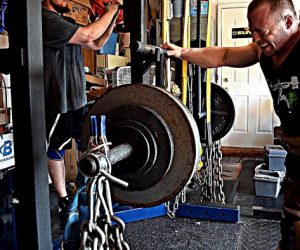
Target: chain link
(173, 207)
(102, 230)
(190, 89)
(209, 177)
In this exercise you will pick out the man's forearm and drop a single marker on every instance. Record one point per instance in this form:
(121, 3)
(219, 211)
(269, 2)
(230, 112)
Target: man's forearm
(90, 36)
(100, 26)
(103, 39)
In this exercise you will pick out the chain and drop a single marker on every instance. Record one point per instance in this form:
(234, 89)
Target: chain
(172, 208)
(209, 177)
(218, 155)
(102, 230)
(190, 89)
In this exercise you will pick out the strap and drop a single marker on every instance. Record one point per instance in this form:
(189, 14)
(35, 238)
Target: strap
(185, 44)
(208, 80)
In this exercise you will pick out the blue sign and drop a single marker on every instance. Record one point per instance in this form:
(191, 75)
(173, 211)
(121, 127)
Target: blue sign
(6, 149)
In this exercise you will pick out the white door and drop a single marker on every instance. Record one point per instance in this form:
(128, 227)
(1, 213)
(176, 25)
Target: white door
(254, 115)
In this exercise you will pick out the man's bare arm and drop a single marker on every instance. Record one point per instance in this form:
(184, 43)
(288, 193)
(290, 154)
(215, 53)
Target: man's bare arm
(94, 35)
(213, 57)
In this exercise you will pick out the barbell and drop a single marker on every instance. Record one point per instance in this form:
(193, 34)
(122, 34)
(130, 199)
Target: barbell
(155, 144)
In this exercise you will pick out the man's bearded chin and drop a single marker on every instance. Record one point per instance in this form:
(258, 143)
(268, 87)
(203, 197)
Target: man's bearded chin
(63, 9)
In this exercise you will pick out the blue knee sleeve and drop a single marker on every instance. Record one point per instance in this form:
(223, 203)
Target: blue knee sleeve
(54, 154)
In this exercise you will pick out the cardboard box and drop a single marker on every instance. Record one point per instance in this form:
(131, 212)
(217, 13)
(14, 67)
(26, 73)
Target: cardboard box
(83, 2)
(111, 61)
(7, 153)
(80, 11)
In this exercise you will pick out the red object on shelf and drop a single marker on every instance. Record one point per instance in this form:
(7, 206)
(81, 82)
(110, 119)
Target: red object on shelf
(98, 7)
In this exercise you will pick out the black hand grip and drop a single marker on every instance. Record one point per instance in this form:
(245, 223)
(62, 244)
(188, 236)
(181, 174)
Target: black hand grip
(147, 48)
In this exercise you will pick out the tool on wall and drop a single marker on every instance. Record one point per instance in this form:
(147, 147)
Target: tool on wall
(166, 16)
(208, 81)
(185, 44)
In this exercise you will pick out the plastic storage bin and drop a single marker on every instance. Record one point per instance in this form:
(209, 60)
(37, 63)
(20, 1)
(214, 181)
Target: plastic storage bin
(275, 157)
(267, 183)
(122, 75)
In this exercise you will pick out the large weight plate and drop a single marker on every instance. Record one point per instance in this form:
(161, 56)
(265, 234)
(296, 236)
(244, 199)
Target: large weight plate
(183, 131)
(222, 113)
(151, 141)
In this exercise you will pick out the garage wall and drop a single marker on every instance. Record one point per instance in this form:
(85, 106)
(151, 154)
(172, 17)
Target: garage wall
(296, 3)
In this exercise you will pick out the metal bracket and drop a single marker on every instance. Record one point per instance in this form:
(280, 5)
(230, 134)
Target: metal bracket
(205, 212)
(129, 214)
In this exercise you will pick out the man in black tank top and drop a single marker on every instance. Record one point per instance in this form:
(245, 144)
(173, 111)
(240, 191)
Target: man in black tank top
(274, 25)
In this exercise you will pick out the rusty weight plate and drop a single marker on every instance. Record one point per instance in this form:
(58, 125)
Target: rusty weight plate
(222, 113)
(184, 141)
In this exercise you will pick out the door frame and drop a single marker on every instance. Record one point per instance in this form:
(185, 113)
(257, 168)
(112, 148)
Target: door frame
(219, 25)
(232, 5)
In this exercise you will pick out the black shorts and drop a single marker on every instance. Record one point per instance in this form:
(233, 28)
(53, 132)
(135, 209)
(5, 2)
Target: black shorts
(61, 128)
(289, 232)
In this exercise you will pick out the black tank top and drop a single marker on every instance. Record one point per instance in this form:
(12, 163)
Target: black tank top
(283, 83)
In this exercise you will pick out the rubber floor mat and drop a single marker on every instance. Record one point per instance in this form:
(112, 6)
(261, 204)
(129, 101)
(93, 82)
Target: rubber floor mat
(180, 233)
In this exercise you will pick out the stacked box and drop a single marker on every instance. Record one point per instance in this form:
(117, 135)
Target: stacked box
(267, 182)
(269, 175)
(79, 11)
(275, 157)
(108, 61)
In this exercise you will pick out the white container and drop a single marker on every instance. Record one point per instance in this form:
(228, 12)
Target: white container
(122, 75)
(275, 157)
(267, 183)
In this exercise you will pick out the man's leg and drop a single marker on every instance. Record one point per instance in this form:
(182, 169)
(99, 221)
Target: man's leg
(291, 215)
(57, 174)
